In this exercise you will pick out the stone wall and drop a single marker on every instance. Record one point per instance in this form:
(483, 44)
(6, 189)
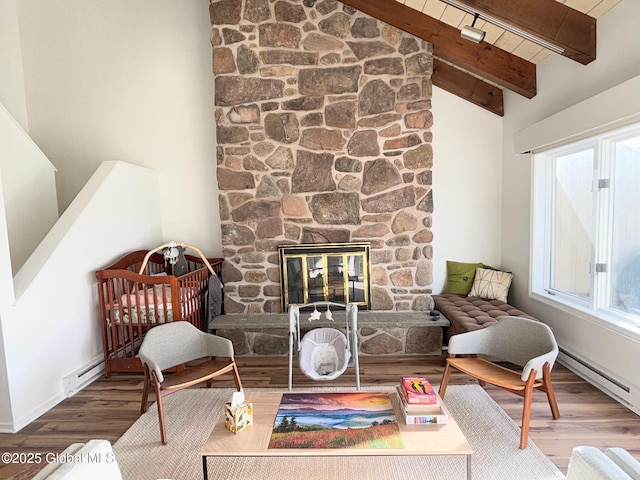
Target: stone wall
(323, 121)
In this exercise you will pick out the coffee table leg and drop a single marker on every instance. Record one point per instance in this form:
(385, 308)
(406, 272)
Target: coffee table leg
(468, 467)
(205, 474)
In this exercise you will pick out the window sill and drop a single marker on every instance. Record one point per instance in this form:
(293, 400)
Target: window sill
(613, 322)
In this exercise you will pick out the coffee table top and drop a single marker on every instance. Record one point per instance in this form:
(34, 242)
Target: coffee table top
(444, 439)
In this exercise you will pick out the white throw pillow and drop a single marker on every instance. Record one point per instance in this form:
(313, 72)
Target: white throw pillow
(491, 284)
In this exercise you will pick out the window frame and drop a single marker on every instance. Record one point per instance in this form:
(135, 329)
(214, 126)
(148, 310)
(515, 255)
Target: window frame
(598, 304)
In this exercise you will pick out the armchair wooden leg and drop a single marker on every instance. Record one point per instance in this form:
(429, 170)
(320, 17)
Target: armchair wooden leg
(548, 389)
(163, 429)
(236, 376)
(157, 388)
(145, 395)
(526, 412)
(526, 409)
(445, 380)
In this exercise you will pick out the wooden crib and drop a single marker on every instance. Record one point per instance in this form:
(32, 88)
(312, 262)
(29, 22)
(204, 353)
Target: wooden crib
(131, 303)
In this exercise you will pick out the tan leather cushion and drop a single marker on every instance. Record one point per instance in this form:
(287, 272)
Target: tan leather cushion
(472, 313)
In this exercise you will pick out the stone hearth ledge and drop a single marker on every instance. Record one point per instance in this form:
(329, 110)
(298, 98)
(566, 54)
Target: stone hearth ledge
(379, 332)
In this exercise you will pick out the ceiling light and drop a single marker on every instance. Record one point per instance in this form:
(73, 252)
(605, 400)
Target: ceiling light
(472, 33)
(506, 26)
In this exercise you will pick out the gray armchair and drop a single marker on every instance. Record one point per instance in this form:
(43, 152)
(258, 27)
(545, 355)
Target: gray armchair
(526, 343)
(181, 345)
(590, 463)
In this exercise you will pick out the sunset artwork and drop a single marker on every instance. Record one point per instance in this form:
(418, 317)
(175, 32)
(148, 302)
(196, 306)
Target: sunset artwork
(336, 420)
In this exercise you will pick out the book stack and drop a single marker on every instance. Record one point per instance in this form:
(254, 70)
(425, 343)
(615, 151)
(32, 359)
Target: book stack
(419, 403)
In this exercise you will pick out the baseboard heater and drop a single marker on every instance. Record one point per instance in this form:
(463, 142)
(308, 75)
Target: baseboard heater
(608, 378)
(596, 377)
(83, 376)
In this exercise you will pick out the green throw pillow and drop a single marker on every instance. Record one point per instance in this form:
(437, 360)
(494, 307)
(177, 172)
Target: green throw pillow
(460, 277)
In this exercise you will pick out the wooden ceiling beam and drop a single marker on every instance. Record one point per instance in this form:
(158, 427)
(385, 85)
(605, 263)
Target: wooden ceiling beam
(468, 87)
(485, 60)
(548, 20)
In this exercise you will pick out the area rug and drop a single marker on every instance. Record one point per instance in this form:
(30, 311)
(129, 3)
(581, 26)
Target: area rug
(192, 414)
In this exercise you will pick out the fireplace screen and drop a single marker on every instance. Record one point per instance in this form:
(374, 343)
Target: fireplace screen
(336, 272)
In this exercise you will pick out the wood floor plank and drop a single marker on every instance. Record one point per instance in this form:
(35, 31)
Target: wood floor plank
(108, 407)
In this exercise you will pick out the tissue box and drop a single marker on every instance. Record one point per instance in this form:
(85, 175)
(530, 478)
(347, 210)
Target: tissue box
(238, 418)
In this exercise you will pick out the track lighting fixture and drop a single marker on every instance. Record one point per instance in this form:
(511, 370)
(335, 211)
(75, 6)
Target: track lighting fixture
(471, 32)
(477, 35)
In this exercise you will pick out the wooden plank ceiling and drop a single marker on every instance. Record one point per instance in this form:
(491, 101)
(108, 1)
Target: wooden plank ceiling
(505, 59)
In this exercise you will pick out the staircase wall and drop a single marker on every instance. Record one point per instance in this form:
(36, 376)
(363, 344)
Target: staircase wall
(28, 188)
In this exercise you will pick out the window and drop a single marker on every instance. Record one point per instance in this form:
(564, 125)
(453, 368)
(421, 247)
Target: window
(586, 225)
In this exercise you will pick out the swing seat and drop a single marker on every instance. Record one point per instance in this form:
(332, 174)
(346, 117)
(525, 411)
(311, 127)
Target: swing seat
(324, 354)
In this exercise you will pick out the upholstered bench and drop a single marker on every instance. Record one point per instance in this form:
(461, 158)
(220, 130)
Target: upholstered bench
(474, 297)
(467, 313)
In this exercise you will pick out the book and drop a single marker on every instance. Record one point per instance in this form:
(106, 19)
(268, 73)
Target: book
(417, 408)
(418, 390)
(435, 419)
(435, 415)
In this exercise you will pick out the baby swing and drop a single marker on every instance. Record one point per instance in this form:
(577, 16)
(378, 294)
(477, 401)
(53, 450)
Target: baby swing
(324, 353)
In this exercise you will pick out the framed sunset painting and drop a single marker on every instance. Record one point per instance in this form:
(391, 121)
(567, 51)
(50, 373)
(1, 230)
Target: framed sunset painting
(336, 420)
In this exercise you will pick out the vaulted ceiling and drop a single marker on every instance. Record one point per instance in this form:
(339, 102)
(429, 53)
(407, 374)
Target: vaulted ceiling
(519, 35)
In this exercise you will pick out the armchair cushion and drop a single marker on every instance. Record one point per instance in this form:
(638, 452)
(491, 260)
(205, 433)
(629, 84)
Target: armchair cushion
(177, 343)
(93, 460)
(590, 463)
(504, 341)
(625, 461)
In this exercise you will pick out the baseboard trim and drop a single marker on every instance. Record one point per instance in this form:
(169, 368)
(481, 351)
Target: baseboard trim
(84, 377)
(40, 410)
(6, 427)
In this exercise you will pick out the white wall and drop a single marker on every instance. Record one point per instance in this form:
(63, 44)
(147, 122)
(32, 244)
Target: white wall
(562, 83)
(11, 75)
(131, 81)
(467, 193)
(52, 329)
(28, 188)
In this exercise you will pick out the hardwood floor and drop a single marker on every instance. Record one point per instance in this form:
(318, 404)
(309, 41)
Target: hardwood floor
(108, 407)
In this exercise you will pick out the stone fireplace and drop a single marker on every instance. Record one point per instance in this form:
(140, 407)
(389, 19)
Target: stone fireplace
(323, 119)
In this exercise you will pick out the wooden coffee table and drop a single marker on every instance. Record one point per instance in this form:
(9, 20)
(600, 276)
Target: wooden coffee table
(418, 440)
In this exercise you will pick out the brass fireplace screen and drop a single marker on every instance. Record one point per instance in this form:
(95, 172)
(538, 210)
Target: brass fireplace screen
(335, 272)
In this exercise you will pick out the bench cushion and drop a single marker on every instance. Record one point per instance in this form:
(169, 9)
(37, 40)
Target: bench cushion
(473, 313)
